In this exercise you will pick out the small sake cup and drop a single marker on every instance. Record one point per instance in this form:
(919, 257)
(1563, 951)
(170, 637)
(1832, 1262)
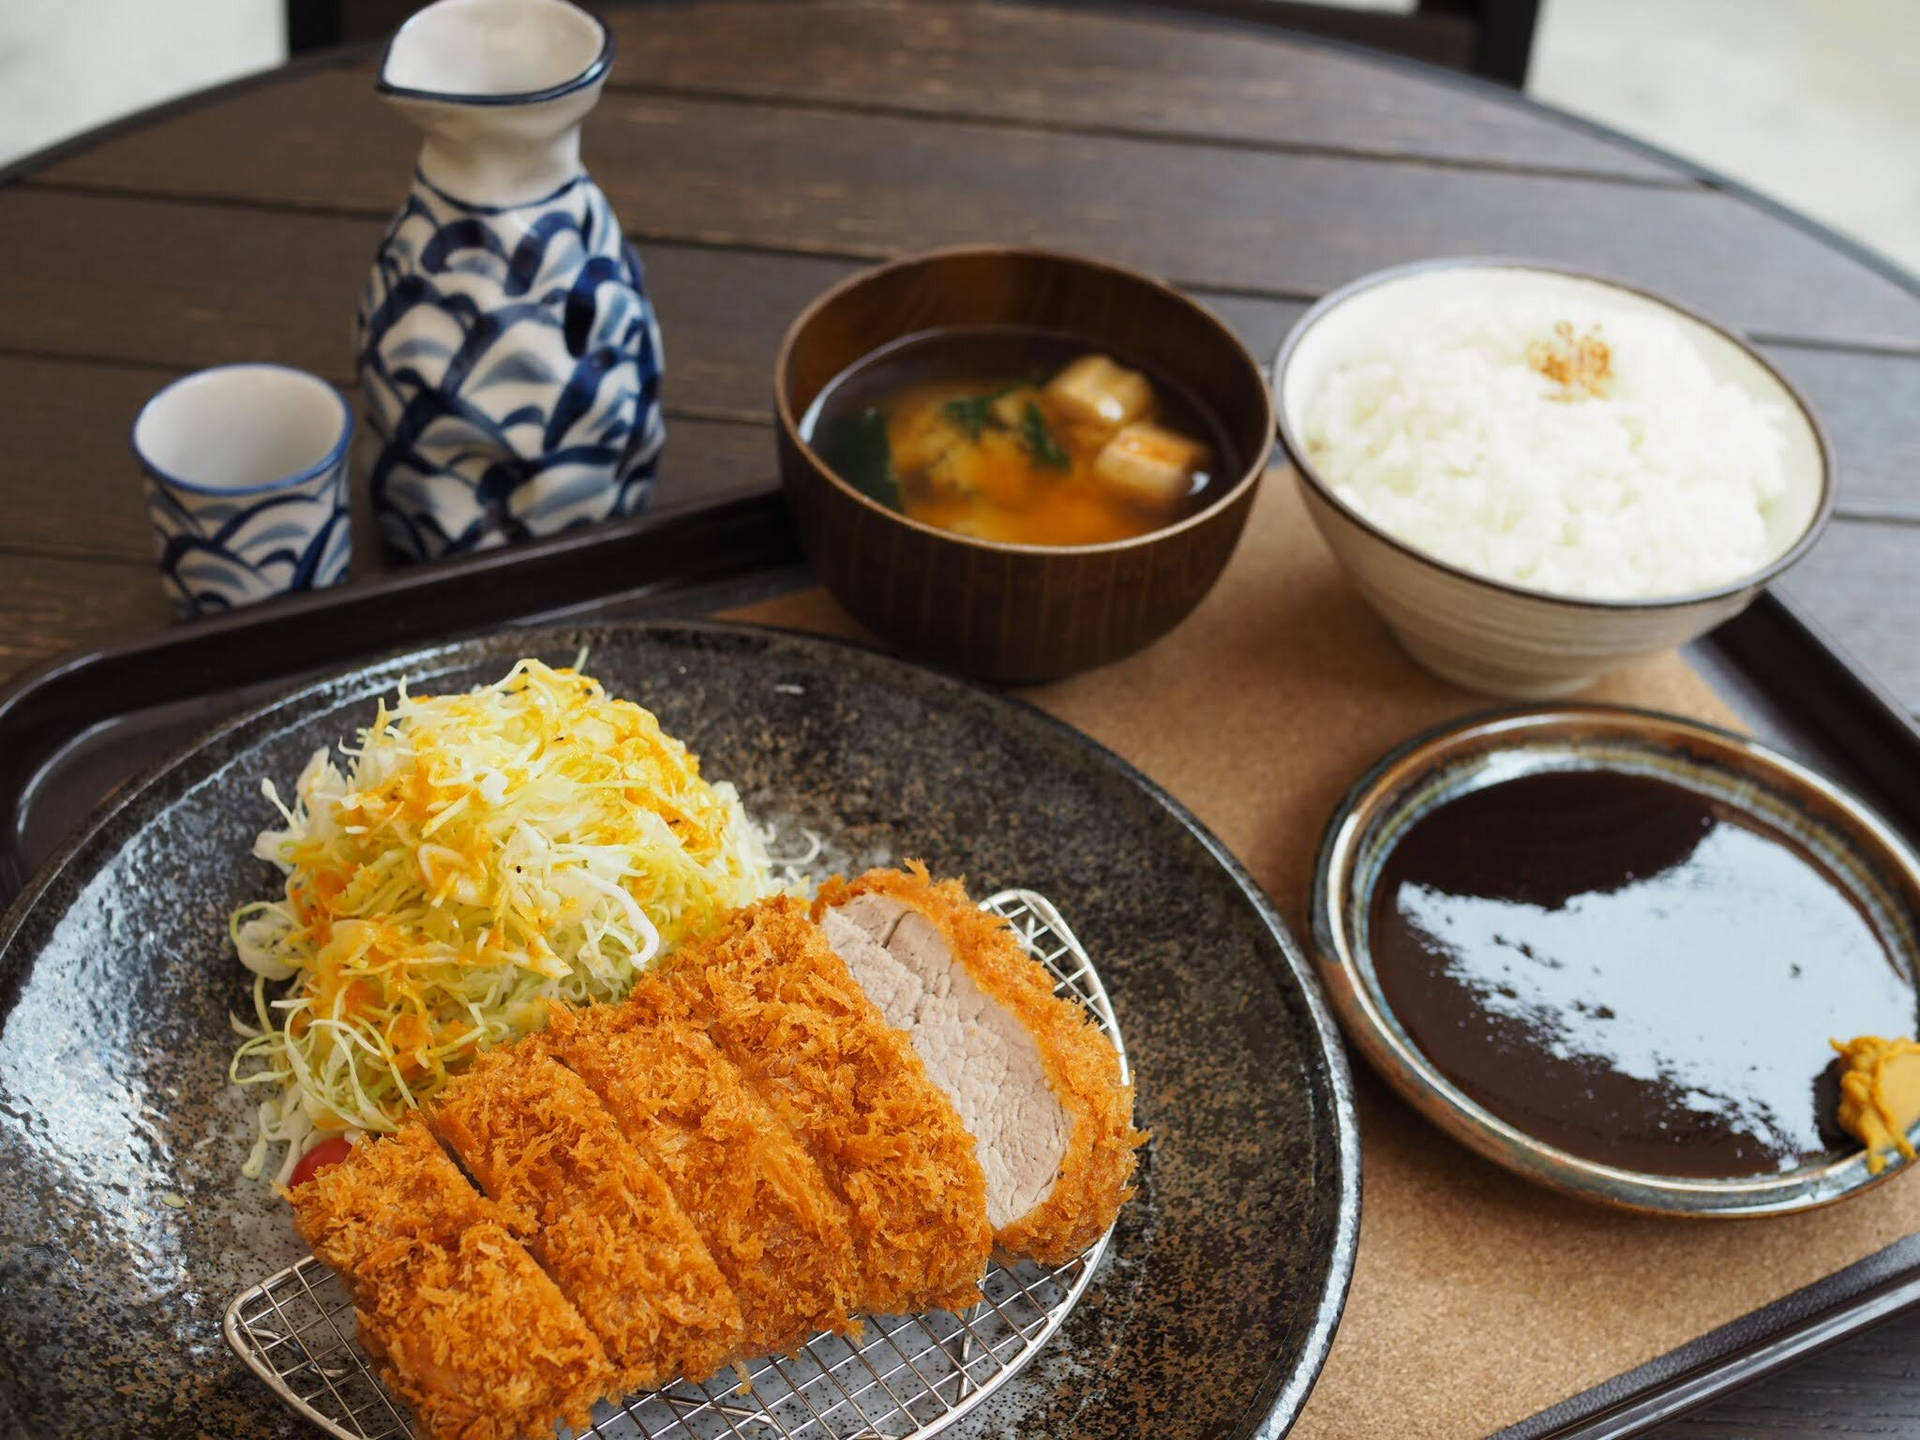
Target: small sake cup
(245, 468)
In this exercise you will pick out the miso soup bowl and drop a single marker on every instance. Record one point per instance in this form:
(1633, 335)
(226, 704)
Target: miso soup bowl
(1016, 614)
(1486, 634)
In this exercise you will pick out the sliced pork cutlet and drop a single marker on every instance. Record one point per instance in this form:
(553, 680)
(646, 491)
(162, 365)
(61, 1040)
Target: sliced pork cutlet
(1034, 1080)
(772, 1225)
(783, 1008)
(463, 1324)
(574, 1190)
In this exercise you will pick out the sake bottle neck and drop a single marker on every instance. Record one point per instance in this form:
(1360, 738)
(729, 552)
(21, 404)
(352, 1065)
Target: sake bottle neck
(500, 166)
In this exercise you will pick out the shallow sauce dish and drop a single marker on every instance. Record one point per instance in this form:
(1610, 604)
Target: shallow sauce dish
(1487, 634)
(1017, 613)
(1600, 1016)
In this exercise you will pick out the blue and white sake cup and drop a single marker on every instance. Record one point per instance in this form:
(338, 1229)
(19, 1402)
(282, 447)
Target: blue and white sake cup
(245, 468)
(507, 350)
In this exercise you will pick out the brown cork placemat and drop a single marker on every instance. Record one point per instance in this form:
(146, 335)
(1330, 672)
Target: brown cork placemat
(1477, 1299)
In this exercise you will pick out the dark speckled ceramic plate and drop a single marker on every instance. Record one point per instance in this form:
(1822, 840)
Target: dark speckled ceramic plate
(125, 1225)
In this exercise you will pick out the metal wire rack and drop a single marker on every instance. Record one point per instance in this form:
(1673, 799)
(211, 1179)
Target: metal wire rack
(902, 1378)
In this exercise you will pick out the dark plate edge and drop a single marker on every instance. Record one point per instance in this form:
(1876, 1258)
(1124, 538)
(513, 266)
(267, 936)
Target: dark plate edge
(1281, 1396)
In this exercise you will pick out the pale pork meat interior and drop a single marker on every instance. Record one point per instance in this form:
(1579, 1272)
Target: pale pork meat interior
(1034, 1080)
(975, 1049)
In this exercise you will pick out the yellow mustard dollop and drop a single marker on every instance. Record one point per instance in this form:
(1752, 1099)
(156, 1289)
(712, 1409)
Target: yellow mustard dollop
(1880, 1095)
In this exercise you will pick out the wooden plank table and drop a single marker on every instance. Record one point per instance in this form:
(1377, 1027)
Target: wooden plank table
(759, 151)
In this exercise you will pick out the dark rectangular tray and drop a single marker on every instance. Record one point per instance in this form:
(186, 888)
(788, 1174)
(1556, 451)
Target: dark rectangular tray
(75, 731)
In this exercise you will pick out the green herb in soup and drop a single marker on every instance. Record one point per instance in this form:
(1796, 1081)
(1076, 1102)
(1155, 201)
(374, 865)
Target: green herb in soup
(1016, 435)
(858, 445)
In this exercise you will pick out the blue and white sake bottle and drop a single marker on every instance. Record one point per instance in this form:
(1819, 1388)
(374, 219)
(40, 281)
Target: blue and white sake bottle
(507, 352)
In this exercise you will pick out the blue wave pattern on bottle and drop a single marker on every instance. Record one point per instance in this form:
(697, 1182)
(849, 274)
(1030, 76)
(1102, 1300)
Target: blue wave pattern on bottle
(511, 366)
(218, 552)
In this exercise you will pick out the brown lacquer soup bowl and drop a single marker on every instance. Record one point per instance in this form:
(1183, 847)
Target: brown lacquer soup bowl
(1018, 613)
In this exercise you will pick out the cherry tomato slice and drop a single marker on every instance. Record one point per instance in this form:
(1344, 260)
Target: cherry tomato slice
(327, 1152)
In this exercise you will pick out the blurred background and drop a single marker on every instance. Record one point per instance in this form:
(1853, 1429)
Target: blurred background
(1814, 102)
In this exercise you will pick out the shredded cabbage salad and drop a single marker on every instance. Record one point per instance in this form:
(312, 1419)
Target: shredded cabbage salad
(479, 855)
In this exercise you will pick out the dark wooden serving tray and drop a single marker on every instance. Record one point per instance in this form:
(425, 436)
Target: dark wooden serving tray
(75, 731)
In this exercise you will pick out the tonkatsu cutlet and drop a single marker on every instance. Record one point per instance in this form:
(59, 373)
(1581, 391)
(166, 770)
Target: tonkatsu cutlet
(573, 1189)
(759, 1201)
(464, 1326)
(1033, 1078)
(782, 1007)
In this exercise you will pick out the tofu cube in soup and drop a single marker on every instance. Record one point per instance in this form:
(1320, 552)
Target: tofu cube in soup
(930, 444)
(1150, 465)
(1015, 437)
(1094, 391)
(1009, 408)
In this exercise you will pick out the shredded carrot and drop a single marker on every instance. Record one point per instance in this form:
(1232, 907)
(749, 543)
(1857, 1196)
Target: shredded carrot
(479, 855)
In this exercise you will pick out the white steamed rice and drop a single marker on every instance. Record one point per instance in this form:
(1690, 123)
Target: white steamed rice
(1449, 439)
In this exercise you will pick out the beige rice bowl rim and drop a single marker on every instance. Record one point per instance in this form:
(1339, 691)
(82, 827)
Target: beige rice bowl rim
(1527, 641)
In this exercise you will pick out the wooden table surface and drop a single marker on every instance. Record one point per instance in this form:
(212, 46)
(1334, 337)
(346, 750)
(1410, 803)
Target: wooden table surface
(758, 151)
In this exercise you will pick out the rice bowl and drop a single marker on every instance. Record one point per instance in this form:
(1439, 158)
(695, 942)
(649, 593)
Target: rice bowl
(1525, 557)
(1554, 440)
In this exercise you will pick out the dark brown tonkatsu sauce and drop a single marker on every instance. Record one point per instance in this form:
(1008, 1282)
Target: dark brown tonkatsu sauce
(1630, 971)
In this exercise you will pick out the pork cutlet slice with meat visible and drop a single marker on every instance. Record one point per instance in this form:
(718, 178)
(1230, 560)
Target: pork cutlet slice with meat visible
(462, 1323)
(776, 1230)
(1034, 1080)
(577, 1193)
(783, 1007)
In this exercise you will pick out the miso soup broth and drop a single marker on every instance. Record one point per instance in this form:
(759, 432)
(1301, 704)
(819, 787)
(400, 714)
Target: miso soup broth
(1025, 436)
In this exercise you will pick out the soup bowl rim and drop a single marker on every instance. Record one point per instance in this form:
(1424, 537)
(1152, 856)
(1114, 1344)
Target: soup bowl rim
(1250, 474)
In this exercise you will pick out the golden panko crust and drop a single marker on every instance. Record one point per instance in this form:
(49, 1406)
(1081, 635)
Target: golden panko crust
(464, 1326)
(1081, 1065)
(784, 1008)
(777, 1232)
(575, 1191)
